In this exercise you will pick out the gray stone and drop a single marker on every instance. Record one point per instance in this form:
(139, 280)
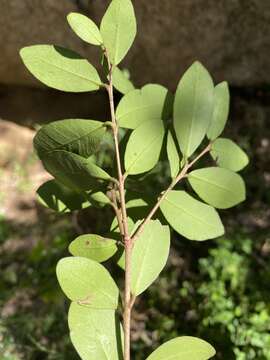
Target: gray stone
(231, 37)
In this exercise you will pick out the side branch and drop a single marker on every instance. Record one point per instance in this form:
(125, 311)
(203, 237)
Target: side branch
(162, 196)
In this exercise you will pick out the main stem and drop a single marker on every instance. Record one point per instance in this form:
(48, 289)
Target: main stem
(123, 225)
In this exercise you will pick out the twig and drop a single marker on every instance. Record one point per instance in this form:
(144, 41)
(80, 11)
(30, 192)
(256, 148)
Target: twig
(162, 196)
(123, 222)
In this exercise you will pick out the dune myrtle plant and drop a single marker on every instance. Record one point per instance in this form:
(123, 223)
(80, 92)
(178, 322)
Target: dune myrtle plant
(148, 127)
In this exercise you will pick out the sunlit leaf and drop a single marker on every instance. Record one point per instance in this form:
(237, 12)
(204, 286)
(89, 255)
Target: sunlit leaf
(219, 187)
(118, 29)
(60, 68)
(183, 348)
(173, 156)
(93, 247)
(85, 28)
(228, 154)
(149, 256)
(75, 135)
(121, 81)
(141, 105)
(95, 334)
(60, 198)
(221, 110)
(87, 282)
(193, 107)
(190, 217)
(143, 147)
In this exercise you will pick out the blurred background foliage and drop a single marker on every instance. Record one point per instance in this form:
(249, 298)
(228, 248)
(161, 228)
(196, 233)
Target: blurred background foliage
(218, 290)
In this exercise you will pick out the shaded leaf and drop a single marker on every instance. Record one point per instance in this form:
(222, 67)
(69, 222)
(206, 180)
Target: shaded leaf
(60, 198)
(60, 68)
(93, 247)
(87, 282)
(85, 28)
(220, 112)
(173, 156)
(95, 334)
(143, 147)
(73, 170)
(149, 256)
(218, 187)
(228, 154)
(183, 348)
(99, 198)
(121, 81)
(75, 135)
(193, 108)
(190, 217)
(141, 105)
(118, 29)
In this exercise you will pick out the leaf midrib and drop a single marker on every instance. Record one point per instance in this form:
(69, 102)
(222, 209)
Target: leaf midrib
(190, 214)
(70, 142)
(213, 184)
(156, 138)
(68, 71)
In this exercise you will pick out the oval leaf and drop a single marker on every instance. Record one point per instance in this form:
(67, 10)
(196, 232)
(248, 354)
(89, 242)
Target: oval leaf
(60, 68)
(93, 247)
(220, 111)
(75, 135)
(60, 198)
(149, 256)
(73, 170)
(121, 82)
(87, 282)
(193, 108)
(85, 28)
(118, 29)
(95, 334)
(173, 156)
(218, 187)
(183, 348)
(190, 217)
(143, 147)
(139, 106)
(228, 154)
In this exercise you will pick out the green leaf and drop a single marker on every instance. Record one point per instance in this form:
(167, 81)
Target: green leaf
(93, 247)
(75, 135)
(173, 156)
(143, 147)
(60, 198)
(221, 188)
(228, 154)
(60, 68)
(220, 112)
(87, 282)
(85, 28)
(121, 81)
(95, 334)
(183, 348)
(149, 256)
(191, 218)
(98, 198)
(141, 105)
(73, 170)
(193, 108)
(118, 29)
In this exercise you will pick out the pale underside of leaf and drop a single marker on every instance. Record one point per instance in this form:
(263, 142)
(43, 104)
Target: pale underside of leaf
(60, 68)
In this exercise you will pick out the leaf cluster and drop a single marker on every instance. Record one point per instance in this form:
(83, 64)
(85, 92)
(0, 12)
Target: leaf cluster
(183, 128)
